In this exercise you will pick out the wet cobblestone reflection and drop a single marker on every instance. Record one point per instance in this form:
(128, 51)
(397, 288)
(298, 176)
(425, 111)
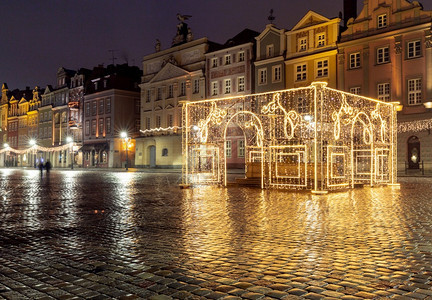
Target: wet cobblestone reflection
(106, 235)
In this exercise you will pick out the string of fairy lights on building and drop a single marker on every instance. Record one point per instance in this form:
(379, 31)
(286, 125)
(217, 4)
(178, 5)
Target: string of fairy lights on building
(415, 126)
(35, 148)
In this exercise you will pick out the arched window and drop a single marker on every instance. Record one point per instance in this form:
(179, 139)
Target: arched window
(164, 152)
(104, 156)
(413, 152)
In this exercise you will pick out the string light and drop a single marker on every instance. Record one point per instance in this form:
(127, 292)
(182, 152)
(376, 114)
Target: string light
(414, 126)
(160, 129)
(314, 138)
(35, 148)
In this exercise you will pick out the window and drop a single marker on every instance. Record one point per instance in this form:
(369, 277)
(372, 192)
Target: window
(87, 128)
(414, 91)
(93, 127)
(382, 21)
(270, 51)
(96, 85)
(384, 91)
(240, 148)
(164, 152)
(262, 73)
(182, 89)
(105, 83)
(101, 126)
(276, 73)
(301, 72)
(214, 88)
(322, 68)
(241, 56)
(108, 105)
(158, 121)
(320, 40)
(108, 125)
(355, 60)
(94, 108)
(87, 110)
(170, 91)
(148, 96)
(148, 123)
(214, 62)
(383, 55)
(196, 86)
(355, 90)
(170, 120)
(227, 86)
(228, 59)
(414, 49)
(241, 84)
(302, 44)
(228, 148)
(101, 107)
(159, 94)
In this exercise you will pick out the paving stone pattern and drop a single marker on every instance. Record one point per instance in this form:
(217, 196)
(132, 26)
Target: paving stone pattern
(118, 235)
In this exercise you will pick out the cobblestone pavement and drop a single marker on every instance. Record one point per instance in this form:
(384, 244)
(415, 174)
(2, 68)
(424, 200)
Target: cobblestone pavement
(104, 235)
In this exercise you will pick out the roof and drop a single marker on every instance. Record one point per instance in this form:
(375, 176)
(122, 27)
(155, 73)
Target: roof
(245, 36)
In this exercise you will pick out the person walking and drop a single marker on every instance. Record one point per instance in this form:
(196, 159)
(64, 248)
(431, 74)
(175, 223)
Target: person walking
(48, 166)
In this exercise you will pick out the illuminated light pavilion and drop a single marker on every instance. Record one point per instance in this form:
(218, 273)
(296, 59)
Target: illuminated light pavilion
(312, 138)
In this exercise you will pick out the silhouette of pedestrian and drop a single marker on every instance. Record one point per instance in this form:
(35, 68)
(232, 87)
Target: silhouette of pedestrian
(41, 166)
(48, 166)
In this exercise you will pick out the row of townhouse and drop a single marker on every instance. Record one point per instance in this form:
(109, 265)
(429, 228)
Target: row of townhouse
(76, 122)
(383, 52)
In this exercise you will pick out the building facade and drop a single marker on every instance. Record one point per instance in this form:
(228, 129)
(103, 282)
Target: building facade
(111, 106)
(386, 53)
(169, 76)
(312, 51)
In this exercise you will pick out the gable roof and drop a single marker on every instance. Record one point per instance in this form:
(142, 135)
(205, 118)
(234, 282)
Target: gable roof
(269, 27)
(169, 71)
(309, 19)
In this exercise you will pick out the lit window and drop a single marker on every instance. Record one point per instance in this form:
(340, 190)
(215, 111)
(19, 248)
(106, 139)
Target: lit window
(320, 40)
(215, 88)
(262, 76)
(241, 148)
(355, 90)
(228, 59)
(322, 68)
(241, 56)
(301, 72)
(384, 91)
(277, 73)
(101, 125)
(228, 148)
(241, 84)
(214, 62)
(227, 86)
(414, 91)
(383, 55)
(382, 21)
(355, 60)
(302, 44)
(414, 49)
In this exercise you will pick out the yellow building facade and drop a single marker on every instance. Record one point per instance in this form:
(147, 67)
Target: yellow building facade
(312, 51)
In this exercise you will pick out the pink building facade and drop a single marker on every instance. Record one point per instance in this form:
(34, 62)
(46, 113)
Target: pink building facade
(386, 53)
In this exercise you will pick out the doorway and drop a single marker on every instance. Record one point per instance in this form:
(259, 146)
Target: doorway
(414, 153)
(152, 156)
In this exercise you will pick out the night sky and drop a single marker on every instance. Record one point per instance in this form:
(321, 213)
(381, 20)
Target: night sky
(38, 37)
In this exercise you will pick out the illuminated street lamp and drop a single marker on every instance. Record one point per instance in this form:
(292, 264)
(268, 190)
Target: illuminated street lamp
(69, 140)
(126, 139)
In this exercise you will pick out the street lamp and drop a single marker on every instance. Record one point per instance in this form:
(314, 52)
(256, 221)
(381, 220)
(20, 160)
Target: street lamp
(126, 139)
(32, 143)
(69, 140)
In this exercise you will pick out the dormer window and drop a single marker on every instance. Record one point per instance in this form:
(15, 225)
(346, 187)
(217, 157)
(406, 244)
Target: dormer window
(270, 51)
(96, 85)
(320, 40)
(302, 44)
(382, 21)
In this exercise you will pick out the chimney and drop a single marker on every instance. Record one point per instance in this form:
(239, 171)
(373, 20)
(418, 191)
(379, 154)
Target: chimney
(350, 10)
